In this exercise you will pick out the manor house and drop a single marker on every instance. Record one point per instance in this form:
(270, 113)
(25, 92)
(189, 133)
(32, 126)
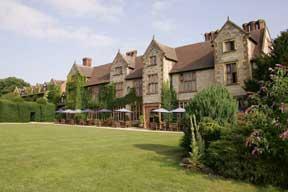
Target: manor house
(224, 57)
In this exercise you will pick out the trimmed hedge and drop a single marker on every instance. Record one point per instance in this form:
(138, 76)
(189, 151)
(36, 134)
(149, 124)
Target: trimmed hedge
(21, 111)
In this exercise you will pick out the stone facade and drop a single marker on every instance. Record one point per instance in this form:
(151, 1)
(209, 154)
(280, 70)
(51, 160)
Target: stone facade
(239, 56)
(210, 67)
(149, 69)
(204, 78)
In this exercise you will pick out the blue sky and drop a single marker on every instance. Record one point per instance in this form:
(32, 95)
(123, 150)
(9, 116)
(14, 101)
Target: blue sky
(40, 40)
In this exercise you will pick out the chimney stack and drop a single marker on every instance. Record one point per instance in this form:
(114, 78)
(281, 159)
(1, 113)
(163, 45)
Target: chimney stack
(87, 62)
(131, 56)
(211, 35)
(254, 25)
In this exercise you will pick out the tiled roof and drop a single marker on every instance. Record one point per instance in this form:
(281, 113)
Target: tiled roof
(170, 52)
(194, 57)
(84, 70)
(100, 74)
(137, 73)
(257, 36)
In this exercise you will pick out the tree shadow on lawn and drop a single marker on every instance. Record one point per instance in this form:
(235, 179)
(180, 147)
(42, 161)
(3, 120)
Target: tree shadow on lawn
(169, 155)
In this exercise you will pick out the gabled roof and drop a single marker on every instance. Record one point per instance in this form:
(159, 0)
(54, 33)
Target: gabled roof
(100, 74)
(194, 57)
(84, 70)
(169, 52)
(233, 24)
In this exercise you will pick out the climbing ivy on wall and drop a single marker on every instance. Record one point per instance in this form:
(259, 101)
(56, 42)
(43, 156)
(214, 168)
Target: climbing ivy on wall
(130, 98)
(107, 97)
(76, 93)
(107, 94)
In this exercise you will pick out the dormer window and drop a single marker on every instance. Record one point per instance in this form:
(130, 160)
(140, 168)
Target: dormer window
(229, 46)
(118, 70)
(153, 60)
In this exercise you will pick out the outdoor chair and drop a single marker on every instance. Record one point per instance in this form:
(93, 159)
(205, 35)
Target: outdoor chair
(153, 125)
(128, 124)
(90, 122)
(116, 124)
(135, 123)
(173, 127)
(122, 124)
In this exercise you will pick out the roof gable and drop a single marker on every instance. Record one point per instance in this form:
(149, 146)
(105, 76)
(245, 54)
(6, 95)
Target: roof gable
(229, 22)
(118, 57)
(100, 75)
(168, 52)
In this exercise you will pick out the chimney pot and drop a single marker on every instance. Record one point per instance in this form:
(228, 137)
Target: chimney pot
(87, 62)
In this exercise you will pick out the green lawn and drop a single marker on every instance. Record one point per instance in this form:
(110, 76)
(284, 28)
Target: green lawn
(61, 158)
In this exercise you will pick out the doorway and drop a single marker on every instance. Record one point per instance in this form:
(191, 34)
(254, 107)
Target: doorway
(32, 116)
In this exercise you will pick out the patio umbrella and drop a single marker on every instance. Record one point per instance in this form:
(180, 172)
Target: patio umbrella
(178, 110)
(161, 110)
(123, 110)
(104, 111)
(68, 111)
(87, 111)
(60, 111)
(77, 111)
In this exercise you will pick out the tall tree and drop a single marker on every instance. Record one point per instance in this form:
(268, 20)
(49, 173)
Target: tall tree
(9, 84)
(263, 63)
(168, 99)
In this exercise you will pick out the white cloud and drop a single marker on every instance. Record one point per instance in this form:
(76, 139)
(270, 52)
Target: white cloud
(25, 20)
(102, 10)
(160, 12)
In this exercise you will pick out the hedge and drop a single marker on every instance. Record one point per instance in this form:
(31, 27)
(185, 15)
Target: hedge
(21, 111)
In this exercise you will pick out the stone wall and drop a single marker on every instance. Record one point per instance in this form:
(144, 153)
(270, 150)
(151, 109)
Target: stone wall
(152, 69)
(204, 78)
(239, 56)
(117, 78)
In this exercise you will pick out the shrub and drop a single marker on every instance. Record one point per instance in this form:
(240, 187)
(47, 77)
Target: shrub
(214, 102)
(186, 140)
(253, 152)
(42, 101)
(21, 111)
(210, 130)
(213, 107)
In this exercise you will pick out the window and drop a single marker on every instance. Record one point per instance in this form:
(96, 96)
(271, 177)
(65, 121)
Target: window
(188, 82)
(153, 84)
(229, 46)
(119, 89)
(95, 91)
(153, 60)
(138, 87)
(231, 71)
(118, 70)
